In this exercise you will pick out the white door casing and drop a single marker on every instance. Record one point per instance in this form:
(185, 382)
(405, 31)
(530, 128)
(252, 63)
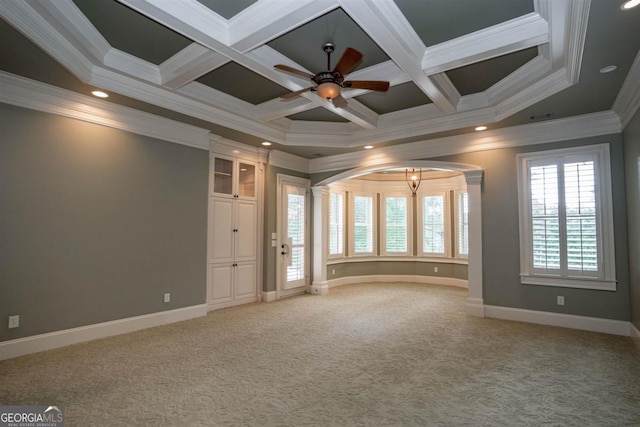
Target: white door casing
(293, 235)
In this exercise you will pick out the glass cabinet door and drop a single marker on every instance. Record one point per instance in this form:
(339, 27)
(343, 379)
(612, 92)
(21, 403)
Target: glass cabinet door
(223, 176)
(247, 180)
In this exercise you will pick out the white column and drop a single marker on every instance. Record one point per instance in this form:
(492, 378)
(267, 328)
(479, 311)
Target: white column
(320, 239)
(475, 303)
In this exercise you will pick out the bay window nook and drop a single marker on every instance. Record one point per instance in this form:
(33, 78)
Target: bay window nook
(368, 217)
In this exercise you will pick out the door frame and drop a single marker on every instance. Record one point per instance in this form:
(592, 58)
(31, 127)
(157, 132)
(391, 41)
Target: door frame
(283, 179)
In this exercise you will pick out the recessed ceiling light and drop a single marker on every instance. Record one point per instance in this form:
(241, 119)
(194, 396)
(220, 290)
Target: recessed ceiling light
(266, 144)
(608, 68)
(100, 94)
(479, 128)
(629, 4)
(368, 147)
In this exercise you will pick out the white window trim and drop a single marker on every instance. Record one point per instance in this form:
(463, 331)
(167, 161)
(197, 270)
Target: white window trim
(344, 224)
(607, 280)
(456, 227)
(383, 224)
(351, 233)
(447, 224)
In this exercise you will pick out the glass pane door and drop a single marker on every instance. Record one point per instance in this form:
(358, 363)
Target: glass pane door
(223, 176)
(294, 232)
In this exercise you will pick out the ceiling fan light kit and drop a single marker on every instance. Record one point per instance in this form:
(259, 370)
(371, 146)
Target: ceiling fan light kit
(329, 84)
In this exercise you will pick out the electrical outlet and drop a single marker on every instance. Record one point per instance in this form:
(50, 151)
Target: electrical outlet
(435, 269)
(333, 271)
(560, 300)
(167, 297)
(14, 321)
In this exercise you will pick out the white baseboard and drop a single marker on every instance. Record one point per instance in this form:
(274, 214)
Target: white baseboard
(594, 324)
(269, 296)
(475, 307)
(37, 343)
(634, 333)
(430, 280)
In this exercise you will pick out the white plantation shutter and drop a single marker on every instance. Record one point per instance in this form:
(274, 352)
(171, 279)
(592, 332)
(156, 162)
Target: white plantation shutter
(396, 225)
(295, 221)
(463, 224)
(566, 218)
(581, 224)
(362, 224)
(433, 224)
(545, 217)
(336, 223)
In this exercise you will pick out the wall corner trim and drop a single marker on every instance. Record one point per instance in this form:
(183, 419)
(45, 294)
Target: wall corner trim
(49, 341)
(593, 324)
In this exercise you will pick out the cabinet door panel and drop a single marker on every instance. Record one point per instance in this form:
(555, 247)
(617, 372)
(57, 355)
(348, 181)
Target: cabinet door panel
(221, 281)
(247, 216)
(245, 280)
(222, 235)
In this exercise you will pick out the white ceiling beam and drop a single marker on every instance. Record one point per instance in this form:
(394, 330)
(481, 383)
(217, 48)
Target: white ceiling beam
(267, 19)
(388, 27)
(517, 34)
(43, 28)
(189, 64)
(188, 17)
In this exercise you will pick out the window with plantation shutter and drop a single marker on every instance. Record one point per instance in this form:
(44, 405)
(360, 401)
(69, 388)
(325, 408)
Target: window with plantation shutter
(566, 225)
(363, 225)
(433, 225)
(396, 225)
(336, 223)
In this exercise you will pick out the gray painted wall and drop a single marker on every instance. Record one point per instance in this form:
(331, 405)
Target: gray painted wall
(501, 246)
(270, 219)
(96, 224)
(631, 138)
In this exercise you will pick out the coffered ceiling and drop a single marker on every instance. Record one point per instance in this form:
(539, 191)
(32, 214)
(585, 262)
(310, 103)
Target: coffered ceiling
(452, 64)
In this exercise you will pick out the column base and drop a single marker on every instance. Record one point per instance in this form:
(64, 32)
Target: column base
(319, 288)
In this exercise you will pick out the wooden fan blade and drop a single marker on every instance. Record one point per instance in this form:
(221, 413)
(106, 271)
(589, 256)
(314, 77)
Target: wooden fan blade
(339, 101)
(349, 60)
(291, 95)
(294, 71)
(378, 85)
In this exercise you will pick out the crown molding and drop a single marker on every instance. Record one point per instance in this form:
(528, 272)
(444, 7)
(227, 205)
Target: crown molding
(46, 35)
(228, 147)
(543, 88)
(38, 96)
(588, 125)
(628, 100)
(288, 161)
(175, 101)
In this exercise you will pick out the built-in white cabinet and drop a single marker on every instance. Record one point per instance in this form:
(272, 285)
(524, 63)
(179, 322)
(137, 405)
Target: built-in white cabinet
(235, 227)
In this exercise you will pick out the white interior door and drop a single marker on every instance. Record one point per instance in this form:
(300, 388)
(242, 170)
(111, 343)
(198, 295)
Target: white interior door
(293, 234)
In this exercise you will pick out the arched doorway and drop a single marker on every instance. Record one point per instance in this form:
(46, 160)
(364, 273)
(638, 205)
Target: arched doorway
(473, 177)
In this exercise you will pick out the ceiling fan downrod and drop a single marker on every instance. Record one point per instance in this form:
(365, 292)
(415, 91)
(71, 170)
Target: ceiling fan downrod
(329, 48)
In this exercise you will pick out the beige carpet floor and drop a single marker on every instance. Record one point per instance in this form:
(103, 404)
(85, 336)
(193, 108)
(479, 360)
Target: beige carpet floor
(370, 355)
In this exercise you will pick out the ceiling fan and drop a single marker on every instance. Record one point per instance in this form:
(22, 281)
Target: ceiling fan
(329, 84)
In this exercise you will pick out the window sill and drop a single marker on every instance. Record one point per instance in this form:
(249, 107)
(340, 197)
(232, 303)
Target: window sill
(562, 282)
(439, 260)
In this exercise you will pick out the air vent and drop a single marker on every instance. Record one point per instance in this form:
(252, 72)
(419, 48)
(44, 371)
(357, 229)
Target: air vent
(538, 117)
